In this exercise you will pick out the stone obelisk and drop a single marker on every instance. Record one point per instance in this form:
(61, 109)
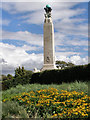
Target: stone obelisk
(49, 58)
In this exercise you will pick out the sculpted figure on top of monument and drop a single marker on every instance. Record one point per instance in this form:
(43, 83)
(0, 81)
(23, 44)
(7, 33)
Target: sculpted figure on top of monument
(48, 10)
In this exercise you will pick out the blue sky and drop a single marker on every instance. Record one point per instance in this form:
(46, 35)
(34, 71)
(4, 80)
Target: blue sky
(22, 34)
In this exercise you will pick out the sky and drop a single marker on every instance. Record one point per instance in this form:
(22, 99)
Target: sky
(21, 43)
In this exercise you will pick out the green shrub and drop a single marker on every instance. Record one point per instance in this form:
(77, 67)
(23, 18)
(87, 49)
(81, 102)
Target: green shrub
(22, 77)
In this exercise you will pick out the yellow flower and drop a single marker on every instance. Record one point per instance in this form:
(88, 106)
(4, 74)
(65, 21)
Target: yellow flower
(60, 114)
(47, 104)
(4, 100)
(83, 114)
(76, 113)
(28, 101)
(86, 114)
(54, 98)
(38, 104)
(16, 96)
(19, 98)
(54, 115)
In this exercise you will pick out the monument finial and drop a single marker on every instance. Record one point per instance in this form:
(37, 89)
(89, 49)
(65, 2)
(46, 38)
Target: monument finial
(48, 10)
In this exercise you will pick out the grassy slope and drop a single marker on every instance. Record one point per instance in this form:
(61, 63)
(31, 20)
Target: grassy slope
(76, 86)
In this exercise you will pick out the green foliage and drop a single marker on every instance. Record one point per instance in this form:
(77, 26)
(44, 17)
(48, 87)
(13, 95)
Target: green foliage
(80, 73)
(22, 76)
(63, 64)
(12, 109)
(7, 81)
(7, 84)
(8, 77)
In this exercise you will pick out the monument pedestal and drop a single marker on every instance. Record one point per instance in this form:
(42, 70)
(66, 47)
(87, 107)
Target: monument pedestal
(48, 67)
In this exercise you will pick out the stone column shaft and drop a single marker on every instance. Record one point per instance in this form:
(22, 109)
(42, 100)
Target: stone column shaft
(49, 58)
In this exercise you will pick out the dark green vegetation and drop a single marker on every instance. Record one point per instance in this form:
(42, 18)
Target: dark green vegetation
(67, 75)
(70, 74)
(22, 77)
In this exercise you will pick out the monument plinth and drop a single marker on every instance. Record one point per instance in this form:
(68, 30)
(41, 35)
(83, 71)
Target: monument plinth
(49, 57)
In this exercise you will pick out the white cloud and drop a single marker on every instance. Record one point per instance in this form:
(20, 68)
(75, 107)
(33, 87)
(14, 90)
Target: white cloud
(57, 13)
(62, 39)
(37, 16)
(33, 39)
(15, 55)
(77, 42)
(68, 27)
(78, 60)
(66, 13)
(60, 11)
(75, 58)
(20, 7)
(30, 48)
(67, 54)
(12, 57)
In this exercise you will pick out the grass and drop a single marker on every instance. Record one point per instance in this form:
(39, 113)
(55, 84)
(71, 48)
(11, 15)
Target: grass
(77, 86)
(12, 109)
(22, 90)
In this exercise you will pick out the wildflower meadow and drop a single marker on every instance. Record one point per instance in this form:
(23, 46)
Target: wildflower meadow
(53, 103)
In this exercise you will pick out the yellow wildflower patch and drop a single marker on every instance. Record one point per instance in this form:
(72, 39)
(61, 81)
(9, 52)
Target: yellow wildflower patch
(58, 104)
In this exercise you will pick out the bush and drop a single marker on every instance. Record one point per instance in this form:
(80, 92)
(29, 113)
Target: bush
(22, 77)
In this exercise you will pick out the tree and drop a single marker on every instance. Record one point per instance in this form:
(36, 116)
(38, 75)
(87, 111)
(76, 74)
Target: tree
(63, 64)
(22, 76)
(19, 72)
(69, 64)
(9, 76)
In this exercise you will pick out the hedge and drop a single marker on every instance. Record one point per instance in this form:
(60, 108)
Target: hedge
(71, 74)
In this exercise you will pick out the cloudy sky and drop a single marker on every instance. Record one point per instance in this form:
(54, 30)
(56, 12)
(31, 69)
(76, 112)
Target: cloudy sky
(21, 43)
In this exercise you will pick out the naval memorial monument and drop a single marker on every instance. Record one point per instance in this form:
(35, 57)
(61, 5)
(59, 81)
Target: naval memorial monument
(48, 37)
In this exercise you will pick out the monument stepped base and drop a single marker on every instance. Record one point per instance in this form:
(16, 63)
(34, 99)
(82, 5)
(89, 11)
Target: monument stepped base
(48, 67)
